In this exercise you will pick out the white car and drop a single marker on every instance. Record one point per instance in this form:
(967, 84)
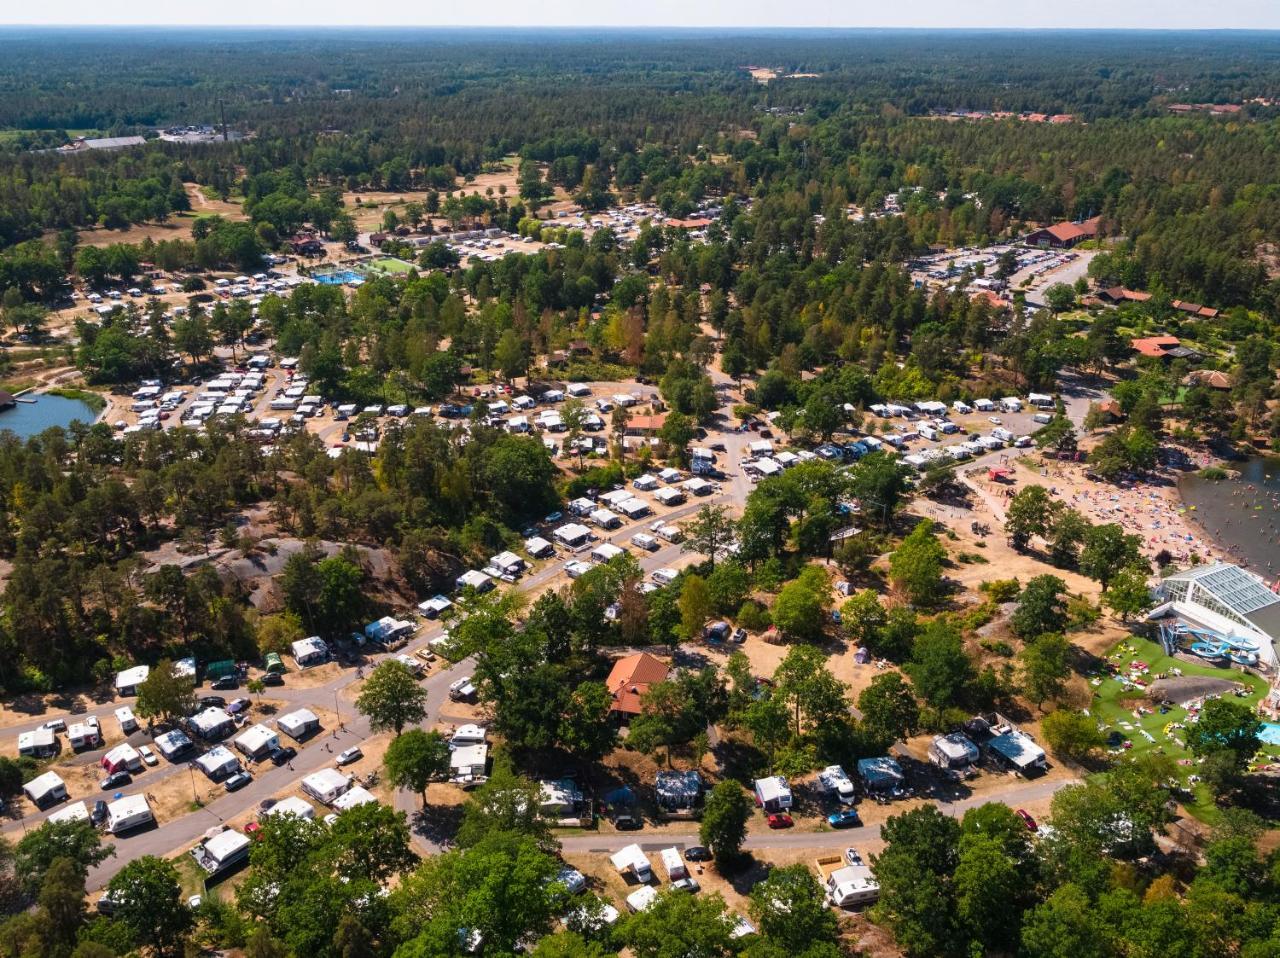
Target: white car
(664, 576)
(573, 880)
(148, 756)
(353, 754)
(995, 419)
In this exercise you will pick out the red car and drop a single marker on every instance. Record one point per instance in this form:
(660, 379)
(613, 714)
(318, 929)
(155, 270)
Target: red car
(1027, 820)
(780, 820)
(254, 831)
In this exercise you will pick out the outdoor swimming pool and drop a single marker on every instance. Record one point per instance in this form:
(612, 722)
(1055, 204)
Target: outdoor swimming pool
(337, 277)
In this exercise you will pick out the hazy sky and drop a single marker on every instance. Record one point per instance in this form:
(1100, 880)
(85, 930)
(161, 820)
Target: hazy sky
(1159, 14)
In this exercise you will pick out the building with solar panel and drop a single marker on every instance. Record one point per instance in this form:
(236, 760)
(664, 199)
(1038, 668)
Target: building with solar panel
(1224, 604)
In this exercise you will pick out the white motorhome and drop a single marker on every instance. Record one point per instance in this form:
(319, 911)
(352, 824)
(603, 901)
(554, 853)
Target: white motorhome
(837, 784)
(132, 811)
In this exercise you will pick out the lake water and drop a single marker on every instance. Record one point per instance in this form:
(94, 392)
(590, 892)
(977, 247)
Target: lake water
(30, 419)
(1242, 515)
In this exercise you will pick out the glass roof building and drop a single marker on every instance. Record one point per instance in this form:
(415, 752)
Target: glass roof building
(1228, 600)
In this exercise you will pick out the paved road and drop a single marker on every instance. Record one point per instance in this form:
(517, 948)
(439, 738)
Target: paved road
(762, 838)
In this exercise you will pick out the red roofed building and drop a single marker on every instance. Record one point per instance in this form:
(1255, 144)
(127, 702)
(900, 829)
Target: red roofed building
(1118, 294)
(630, 678)
(991, 299)
(1063, 235)
(1156, 347)
(639, 425)
(1195, 309)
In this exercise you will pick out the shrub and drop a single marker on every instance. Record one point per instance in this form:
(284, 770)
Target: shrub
(1002, 590)
(754, 617)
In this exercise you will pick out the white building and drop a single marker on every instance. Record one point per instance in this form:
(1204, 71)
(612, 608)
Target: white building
(299, 724)
(46, 789)
(326, 785)
(75, 812)
(538, 547)
(435, 607)
(256, 741)
(222, 851)
(38, 743)
(352, 797)
(211, 724)
(1018, 751)
(127, 682)
(293, 805)
(572, 534)
(773, 794)
(173, 744)
(475, 579)
(310, 651)
(218, 763)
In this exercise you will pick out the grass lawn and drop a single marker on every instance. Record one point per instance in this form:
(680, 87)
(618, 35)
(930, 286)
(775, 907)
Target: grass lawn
(389, 264)
(1114, 703)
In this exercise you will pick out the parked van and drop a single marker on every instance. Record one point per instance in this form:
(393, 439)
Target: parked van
(1042, 417)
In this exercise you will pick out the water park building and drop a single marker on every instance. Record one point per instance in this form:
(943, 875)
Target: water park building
(1225, 612)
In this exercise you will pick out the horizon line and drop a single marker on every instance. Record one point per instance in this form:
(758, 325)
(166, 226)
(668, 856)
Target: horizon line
(543, 27)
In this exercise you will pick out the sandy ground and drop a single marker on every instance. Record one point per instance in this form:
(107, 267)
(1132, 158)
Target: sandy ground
(1153, 511)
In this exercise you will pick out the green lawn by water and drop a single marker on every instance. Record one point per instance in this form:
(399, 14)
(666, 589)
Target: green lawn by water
(1112, 715)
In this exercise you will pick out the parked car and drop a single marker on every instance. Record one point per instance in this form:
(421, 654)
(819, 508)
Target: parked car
(1027, 820)
(845, 818)
(237, 781)
(353, 754)
(236, 706)
(115, 780)
(852, 857)
(226, 682)
(56, 725)
(254, 831)
(686, 884)
(99, 813)
(425, 654)
(273, 678)
(211, 701)
(780, 820)
(739, 636)
(281, 756)
(148, 756)
(573, 880)
(626, 822)
(697, 853)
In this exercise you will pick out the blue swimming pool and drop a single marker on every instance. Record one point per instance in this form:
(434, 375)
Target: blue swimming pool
(1270, 733)
(338, 277)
